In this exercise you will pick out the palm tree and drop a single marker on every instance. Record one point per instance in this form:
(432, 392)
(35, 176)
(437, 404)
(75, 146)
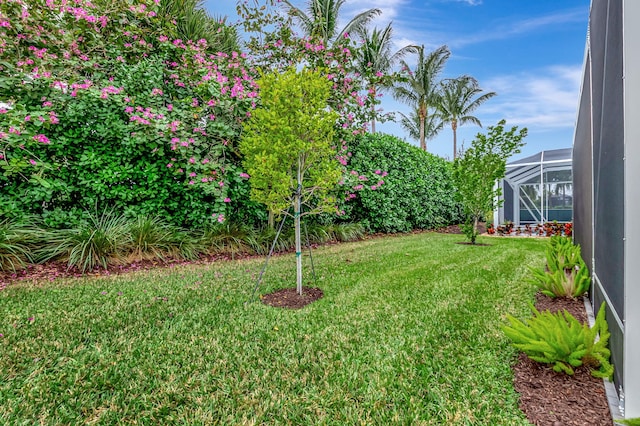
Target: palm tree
(194, 23)
(421, 87)
(321, 20)
(375, 58)
(432, 126)
(459, 98)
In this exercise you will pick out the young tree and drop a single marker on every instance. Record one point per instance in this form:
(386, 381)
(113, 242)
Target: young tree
(287, 144)
(479, 167)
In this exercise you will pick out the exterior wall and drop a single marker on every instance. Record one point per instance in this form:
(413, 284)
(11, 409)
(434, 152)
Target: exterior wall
(606, 175)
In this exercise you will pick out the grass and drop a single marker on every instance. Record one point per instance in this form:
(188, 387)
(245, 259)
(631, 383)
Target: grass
(407, 333)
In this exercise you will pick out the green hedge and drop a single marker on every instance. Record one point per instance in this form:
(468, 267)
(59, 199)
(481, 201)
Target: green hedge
(417, 193)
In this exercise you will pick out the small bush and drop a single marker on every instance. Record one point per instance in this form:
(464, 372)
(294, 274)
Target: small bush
(566, 274)
(347, 231)
(152, 238)
(16, 239)
(103, 240)
(230, 238)
(561, 340)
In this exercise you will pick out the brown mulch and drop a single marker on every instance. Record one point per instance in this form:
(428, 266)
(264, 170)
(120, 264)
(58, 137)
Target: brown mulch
(289, 297)
(556, 399)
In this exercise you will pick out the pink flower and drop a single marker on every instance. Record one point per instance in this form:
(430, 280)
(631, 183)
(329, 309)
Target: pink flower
(244, 175)
(53, 118)
(227, 200)
(220, 218)
(170, 165)
(41, 138)
(33, 162)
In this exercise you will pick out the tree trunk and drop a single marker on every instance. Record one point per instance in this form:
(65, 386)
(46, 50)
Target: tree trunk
(454, 126)
(475, 230)
(423, 118)
(296, 219)
(272, 220)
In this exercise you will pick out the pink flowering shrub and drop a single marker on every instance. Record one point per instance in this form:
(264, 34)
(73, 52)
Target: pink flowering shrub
(102, 105)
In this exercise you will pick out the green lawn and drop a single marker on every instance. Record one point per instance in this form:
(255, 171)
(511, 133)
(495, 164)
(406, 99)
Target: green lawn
(407, 333)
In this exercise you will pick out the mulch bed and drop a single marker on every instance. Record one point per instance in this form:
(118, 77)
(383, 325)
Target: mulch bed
(289, 297)
(556, 399)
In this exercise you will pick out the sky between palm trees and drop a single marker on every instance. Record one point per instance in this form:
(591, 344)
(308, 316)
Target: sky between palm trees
(529, 52)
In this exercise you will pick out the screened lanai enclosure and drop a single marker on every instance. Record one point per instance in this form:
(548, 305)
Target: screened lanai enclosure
(537, 189)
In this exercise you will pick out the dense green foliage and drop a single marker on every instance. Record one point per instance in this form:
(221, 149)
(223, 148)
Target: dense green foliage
(560, 339)
(104, 107)
(566, 274)
(395, 340)
(288, 141)
(479, 168)
(413, 190)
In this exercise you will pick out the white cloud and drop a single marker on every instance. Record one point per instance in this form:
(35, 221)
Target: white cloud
(470, 2)
(545, 99)
(505, 31)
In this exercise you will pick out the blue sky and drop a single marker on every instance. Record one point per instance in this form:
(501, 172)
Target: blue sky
(529, 52)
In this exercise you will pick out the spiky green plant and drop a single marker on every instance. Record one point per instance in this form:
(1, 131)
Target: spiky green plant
(16, 239)
(231, 238)
(566, 274)
(347, 231)
(101, 241)
(561, 340)
(152, 237)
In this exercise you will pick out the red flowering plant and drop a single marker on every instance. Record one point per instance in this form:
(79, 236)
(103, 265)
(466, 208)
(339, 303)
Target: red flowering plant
(101, 104)
(568, 229)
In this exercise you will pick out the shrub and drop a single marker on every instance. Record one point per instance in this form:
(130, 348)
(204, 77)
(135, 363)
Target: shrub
(152, 237)
(230, 238)
(136, 118)
(103, 240)
(16, 238)
(347, 231)
(561, 340)
(413, 190)
(566, 274)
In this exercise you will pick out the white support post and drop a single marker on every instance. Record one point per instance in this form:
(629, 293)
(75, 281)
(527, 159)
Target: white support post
(631, 82)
